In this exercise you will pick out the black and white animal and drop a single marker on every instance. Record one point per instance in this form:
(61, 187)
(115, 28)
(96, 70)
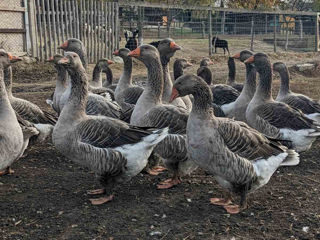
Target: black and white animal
(219, 43)
(131, 38)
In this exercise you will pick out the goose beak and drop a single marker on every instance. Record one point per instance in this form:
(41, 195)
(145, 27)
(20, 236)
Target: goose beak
(14, 58)
(210, 63)
(189, 64)
(110, 62)
(49, 59)
(236, 56)
(116, 53)
(63, 45)
(174, 94)
(249, 60)
(64, 61)
(135, 53)
(174, 46)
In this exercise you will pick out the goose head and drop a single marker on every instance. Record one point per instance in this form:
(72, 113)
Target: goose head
(187, 84)
(104, 64)
(122, 52)
(72, 44)
(260, 61)
(183, 63)
(166, 47)
(6, 58)
(243, 55)
(279, 66)
(71, 61)
(205, 62)
(206, 74)
(145, 53)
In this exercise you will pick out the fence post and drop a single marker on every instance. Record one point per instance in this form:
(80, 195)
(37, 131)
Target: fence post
(210, 32)
(252, 33)
(140, 25)
(223, 22)
(203, 29)
(317, 33)
(274, 33)
(32, 29)
(300, 28)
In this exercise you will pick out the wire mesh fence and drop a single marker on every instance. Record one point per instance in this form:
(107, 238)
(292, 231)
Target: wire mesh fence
(267, 31)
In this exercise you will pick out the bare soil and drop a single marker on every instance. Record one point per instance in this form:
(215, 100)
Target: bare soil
(46, 196)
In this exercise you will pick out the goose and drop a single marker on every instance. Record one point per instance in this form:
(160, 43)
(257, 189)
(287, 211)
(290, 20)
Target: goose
(113, 149)
(179, 65)
(96, 104)
(240, 158)
(232, 75)
(277, 119)
(42, 120)
(76, 45)
(308, 106)
(151, 111)
(126, 94)
(237, 109)
(13, 140)
(167, 48)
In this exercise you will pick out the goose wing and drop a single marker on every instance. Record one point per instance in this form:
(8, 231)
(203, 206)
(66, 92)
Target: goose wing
(224, 94)
(304, 103)
(162, 116)
(280, 115)
(246, 141)
(98, 105)
(132, 94)
(32, 113)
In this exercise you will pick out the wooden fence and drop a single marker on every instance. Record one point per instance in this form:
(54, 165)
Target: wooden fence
(94, 22)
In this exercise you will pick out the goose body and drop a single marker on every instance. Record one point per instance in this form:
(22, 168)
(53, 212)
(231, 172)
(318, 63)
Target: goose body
(277, 119)
(308, 106)
(11, 136)
(239, 157)
(114, 150)
(151, 111)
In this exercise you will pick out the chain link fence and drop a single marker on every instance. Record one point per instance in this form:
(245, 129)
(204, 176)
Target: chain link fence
(263, 31)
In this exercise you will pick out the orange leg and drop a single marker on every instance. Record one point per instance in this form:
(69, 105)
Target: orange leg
(171, 182)
(7, 171)
(96, 191)
(102, 200)
(227, 200)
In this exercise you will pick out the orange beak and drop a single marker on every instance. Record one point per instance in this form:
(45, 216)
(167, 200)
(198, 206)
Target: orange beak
(174, 46)
(236, 56)
(249, 60)
(189, 64)
(210, 63)
(116, 53)
(110, 62)
(135, 53)
(63, 45)
(14, 58)
(174, 94)
(64, 60)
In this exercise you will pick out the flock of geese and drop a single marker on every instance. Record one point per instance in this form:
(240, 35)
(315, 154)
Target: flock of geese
(236, 132)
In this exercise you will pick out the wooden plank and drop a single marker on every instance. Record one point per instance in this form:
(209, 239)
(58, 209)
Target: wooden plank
(112, 29)
(65, 18)
(92, 32)
(210, 31)
(105, 51)
(58, 24)
(39, 30)
(88, 29)
(62, 25)
(117, 30)
(12, 30)
(109, 29)
(78, 19)
(252, 33)
(275, 33)
(12, 9)
(95, 30)
(33, 28)
(75, 20)
(70, 18)
(48, 12)
(54, 33)
(81, 20)
(44, 22)
(101, 35)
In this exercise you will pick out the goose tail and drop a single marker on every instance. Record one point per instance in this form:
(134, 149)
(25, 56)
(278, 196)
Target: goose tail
(293, 158)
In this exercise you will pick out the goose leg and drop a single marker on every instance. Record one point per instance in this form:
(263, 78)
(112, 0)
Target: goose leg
(234, 209)
(8, 170)
(102, 200)
(96, 191)
(171, 182)
(227, 200)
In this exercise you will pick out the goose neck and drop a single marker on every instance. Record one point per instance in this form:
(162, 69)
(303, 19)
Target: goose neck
(126, 78)
(7, 78)
(96, 76)
(167, 87)
(264, 86)
(109, 76)
(203, 98)
(154, 87)
(3, 92)
(177, 70)
(285, 78)
(232, 71)
(250, 83)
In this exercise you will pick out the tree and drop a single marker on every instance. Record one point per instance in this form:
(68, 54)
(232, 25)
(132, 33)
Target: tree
(252, 4)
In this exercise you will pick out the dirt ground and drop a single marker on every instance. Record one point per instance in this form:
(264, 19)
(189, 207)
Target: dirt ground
(46, 196)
